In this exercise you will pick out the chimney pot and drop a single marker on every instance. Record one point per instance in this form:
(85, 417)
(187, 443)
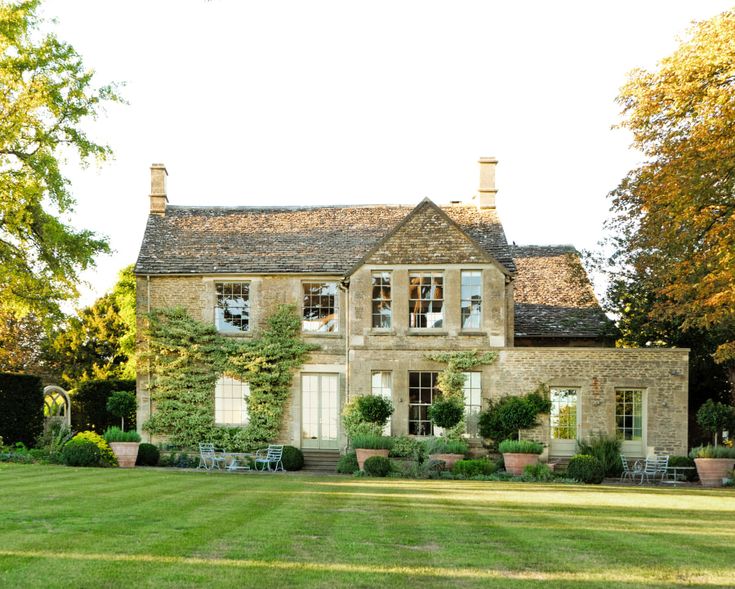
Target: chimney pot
(158, 196)
(487, 191)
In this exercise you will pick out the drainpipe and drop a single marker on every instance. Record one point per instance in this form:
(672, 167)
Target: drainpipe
(344, 287)
(148, 312)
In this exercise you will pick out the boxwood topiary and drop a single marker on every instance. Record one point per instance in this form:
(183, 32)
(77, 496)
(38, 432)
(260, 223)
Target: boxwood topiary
(293, 458)
(79, 452)
(473, 468)
(586, 469)
(377, 466)
(148, 455)
(348, 463)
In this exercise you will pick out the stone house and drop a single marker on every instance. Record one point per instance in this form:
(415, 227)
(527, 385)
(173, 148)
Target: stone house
(381, 286)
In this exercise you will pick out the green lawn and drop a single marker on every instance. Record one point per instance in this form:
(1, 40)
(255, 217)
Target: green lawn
(66, 527)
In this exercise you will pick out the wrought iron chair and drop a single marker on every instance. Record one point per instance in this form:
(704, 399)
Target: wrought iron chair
(209, 457)
(269, 458)
(628, 471)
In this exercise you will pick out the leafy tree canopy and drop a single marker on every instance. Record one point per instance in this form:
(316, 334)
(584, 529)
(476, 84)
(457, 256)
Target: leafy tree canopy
(46, 97)
(674, 220)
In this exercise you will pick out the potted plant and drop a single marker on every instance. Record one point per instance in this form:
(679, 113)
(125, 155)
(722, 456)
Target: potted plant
(122, 404)
(714, 463)
(371, 445)
(449, 451)
(124, 445)
(517, 454)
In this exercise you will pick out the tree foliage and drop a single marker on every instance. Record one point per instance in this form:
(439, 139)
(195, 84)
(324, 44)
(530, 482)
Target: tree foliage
(23, 341)
(46, 97)
(674, 221)
(99, 342)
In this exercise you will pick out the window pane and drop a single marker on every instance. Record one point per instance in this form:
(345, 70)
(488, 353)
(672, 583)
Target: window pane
(421, 393)
(381, 304)
(629, 414)
(230, 402)
(472, 401)
(320, 307)
(232, 307)
(563, 417)
(471, 303)
(425, 300)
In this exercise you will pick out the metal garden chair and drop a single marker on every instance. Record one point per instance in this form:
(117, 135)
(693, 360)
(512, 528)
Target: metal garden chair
(209, 458)
(628, 472)
(269, 458)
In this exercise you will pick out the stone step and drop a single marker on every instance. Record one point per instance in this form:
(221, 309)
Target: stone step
(321, 460)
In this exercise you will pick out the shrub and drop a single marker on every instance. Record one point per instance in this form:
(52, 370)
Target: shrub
(606, 450)
(503, 419)
(520, 447)
(181, 460)
(445, 446)
(89, 404)
(115, 434)
(539, 472)
(446, 413)
(293, 458)
(375, 409)
(411, 448)
(55, 435)
(689, 475)
(473, 468)
(148, 455)
(586, 469)
(709, 451)
(377, 466)
(372, 442)
(81, 452)
(347, 463)
(107, 458)
(21, 399)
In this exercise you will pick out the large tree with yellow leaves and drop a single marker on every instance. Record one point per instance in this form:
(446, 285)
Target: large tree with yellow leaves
(674, 222)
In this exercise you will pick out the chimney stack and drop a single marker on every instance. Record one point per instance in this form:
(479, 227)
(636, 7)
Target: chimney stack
(158, 189)
(487, 191)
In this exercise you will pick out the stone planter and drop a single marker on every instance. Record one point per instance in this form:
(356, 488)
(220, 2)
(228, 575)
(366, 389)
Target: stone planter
(125, 452)
(516, 462)
(364, 453)
(711, 471)
(449, 459)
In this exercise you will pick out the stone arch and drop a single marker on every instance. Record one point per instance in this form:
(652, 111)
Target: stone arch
(56, 403)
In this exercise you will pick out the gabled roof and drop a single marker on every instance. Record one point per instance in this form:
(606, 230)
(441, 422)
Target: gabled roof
(553, 295)
(262, 240)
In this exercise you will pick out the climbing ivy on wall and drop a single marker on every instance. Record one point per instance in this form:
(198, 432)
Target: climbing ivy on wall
(451, 380)
(186, 359)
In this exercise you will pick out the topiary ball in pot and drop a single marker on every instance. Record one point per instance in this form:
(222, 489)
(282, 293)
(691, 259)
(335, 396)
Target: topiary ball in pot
(586, 469)
(377, 466)
(446, 413)
(148, 455)
(292, 458)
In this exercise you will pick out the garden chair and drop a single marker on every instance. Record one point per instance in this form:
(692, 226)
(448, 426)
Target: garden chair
(655, 466)
(662, 466)
(269, 458)
(209, 458)
(628, 472)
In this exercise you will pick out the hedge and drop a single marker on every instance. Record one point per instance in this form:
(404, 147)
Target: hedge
(21, 400)
(89, 405)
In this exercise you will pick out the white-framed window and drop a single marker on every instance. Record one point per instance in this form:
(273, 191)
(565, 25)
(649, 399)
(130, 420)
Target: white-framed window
(421, 394)
(382, 300)
(320, 307)
(425, 300)
(629, 415)
(563, 416)
(230, 402)
(382, 385)
(472, 401)
(232, 307)
(471, 304)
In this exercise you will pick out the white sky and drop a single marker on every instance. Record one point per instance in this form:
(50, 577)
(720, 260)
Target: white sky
(282, 103)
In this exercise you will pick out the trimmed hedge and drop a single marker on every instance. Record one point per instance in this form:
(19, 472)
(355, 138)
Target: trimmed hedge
(89, 405)
(292, 458)
(21, 400)
(148, 455)
(586, 469)
(348, 463)
(80, 452)
(377, 466)
(473, 468)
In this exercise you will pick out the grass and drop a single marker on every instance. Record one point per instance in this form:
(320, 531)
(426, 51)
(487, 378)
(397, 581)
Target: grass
(67, 527)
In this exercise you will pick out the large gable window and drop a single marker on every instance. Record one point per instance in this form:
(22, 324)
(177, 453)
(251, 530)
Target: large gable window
(320, 307)
(425, 300)
(232, 311)
(230, 402)
(382, 300)
(471, 299)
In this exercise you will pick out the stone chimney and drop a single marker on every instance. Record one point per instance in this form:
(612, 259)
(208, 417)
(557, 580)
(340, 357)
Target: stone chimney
(158, 189)
(487, 191)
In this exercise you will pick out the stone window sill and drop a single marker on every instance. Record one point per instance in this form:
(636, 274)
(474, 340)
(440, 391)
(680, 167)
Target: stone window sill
(433, 332)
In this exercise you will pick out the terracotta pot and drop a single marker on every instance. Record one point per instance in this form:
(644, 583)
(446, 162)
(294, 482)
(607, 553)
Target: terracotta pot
(364, 453)
(449, 459)
(125, 452)
(515, 462)
(711, 471)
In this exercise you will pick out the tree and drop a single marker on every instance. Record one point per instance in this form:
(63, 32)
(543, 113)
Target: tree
(22, 343)
(46, 97)
(674, 220)
(99, 343)
(715, 418)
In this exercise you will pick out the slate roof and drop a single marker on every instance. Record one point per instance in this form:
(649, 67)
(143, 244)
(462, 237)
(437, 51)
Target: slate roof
(553, 295)
(324, 240)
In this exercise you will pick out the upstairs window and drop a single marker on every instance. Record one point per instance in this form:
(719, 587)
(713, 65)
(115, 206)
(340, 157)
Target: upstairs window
(471, 300)
(425, 300)
(382, 313)
(232, 311)
(320, 307)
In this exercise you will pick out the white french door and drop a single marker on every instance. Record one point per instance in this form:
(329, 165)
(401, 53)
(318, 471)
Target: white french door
(319, 410)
